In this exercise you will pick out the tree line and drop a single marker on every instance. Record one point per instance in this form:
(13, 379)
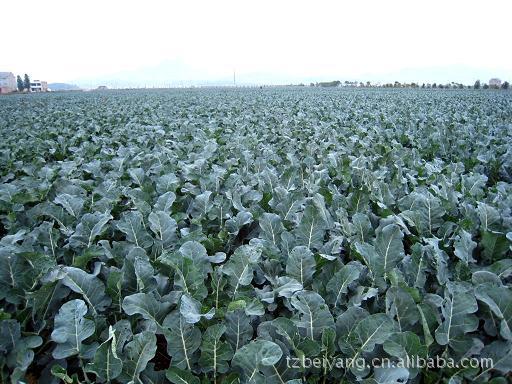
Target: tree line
(505, 85)
(23, 84)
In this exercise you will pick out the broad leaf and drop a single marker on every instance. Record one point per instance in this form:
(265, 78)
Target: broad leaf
(183, 340)
(459, 306)
(138, 352)
(71, 329)
(301, 265)
(90, 227)
(387, 252)
(499, 300)
(131, 224)
(256, 355)
(89, 286)
(314, 315)
(106, 363)
(337, 286)
(215, 354)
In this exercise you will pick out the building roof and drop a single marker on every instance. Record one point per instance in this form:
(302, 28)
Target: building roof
(5, 74)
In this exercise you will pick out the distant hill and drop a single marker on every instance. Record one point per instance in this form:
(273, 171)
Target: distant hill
(63, 87)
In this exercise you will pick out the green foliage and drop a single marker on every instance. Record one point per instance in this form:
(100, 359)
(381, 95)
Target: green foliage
(200, 236)
(19, 83)
(26, 82)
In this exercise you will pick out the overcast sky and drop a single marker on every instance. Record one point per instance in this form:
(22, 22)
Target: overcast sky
(80, 41)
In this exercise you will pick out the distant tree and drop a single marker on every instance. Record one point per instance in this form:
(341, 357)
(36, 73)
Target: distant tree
(26, 82)
(397, 84)
(477, 84)
(486, 86)
(423, 85)
(440, 86)
(335, 83)
(19, 81)
(434, 85)
(311, 84)
(368, 84)
(505, 85)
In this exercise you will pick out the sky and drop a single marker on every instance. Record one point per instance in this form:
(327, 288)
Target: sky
(154, 42)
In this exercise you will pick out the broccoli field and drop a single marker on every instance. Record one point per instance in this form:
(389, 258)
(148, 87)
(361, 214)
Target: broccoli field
(244, 235)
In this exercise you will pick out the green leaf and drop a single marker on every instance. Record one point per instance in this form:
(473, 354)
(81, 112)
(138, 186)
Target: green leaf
(164, 202)
(314, 315)
(183, 340)
(369, 332)
(17, 349)
(424, 211)
(426, 330)
(271, 228)
(489, 217)
(106, 364)
(164, 227)
(215, 354)
(146, 305)
(61, 373)
(311, 229)
(256, 355)
(188, 277)
(47, 238)
(438, 260)
(459, 306)
(196, 252)
(240, 266)
(90, 226)
(415, 267)
(337, 287)
(464, 247)
(301, 265)
(202, 204)
(15, 276)
(138, 353)
(401, 306)
(72, 204)
(499, 300)
(71, 329)
(190, 309)
(495, 245)
(388, 375)
(89, 286)
(500, 353)
(362, 227)
(404, 345)
(289, 331)
(387, 252)
(137, 175)
(131, 224)
(238, 328)
(180, 376)
(167, 182)
(235, 224)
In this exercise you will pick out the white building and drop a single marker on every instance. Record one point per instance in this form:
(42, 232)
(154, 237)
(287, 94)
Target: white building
(7, 82)
(495, 83)
(38, 86)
